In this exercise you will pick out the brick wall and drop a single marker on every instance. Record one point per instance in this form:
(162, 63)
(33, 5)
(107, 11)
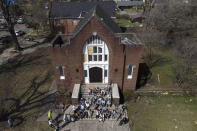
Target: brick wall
(66, 25)
(70, 56)
(132, 57)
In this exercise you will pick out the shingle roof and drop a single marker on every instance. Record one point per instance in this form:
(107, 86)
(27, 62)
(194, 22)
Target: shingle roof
(130, 3)
(76, 9)
(129, 39)
(100, 14)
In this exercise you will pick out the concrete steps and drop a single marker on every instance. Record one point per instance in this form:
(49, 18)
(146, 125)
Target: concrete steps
(84, 89)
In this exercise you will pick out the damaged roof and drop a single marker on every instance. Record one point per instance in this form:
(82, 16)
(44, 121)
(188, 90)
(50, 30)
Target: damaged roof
(79, 9)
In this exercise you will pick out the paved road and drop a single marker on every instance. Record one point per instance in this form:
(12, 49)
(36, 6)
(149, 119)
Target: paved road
(17, 27)
(21, 39)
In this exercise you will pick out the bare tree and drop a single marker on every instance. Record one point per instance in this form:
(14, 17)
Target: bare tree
(184, 68)
(151, 40)
(174, 24)
(38, 14)
(8, 8)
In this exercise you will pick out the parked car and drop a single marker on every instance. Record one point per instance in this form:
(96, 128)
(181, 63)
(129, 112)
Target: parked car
(2, 21)
(19, 33)
(2, 26)
(20, 21)
(29, 39)
(5, 39)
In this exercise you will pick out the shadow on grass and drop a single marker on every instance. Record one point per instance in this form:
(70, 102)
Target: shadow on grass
(21, 61)
(28, 102)
(46, 41)
(144, 74)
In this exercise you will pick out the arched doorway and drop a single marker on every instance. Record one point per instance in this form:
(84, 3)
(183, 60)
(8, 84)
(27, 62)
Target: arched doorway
(96, 60)
(95, 74)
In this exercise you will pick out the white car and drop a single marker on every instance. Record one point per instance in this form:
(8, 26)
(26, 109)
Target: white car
(20, 21)
(19, 33)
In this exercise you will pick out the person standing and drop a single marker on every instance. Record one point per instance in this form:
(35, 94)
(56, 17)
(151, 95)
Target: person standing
(50, 114)
(89, 91)
(10, 122)
(65, 119)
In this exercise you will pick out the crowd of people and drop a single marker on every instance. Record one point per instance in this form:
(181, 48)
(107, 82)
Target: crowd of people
(98, 105)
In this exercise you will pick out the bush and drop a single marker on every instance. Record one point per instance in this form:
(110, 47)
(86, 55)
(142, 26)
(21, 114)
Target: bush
(124, 16)
(129, 95)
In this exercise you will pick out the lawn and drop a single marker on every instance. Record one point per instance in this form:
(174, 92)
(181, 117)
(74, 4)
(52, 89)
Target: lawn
(133, 10)
(24, 84)
(157, 112)
(126, 23)
(164, 69)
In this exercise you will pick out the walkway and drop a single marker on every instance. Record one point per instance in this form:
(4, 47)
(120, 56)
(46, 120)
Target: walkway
(95, 125)
(170, 90)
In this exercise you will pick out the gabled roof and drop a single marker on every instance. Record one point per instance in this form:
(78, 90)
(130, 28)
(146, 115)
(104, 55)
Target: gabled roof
(100, 14)
(79, 9)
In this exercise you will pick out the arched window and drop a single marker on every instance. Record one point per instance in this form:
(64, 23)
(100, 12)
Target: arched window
(95, 50)
(96, 56)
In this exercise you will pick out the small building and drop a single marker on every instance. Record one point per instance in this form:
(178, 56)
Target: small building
(96, 51)
(65, 16)
(130, 4)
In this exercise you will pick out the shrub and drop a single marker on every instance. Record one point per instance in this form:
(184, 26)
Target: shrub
(124, 16)
(129, 95)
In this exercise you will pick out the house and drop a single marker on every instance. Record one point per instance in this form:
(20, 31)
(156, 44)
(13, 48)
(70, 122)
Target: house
(97, 51)
(64, 16)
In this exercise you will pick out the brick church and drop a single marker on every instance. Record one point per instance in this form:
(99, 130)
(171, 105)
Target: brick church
(90, 47)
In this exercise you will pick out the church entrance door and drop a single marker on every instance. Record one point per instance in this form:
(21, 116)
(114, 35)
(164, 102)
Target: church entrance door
(95, 74)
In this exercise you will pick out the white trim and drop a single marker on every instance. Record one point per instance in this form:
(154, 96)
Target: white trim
(62, 77)
(132, 70)
(97, 42)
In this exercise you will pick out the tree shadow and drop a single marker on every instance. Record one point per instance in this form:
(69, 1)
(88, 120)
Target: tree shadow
(32, 99)
(144, 74)
(20, 61)
(45, 41)
(36, 44)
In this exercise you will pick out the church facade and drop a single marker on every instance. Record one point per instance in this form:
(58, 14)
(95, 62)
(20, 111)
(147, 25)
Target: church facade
(97, 51)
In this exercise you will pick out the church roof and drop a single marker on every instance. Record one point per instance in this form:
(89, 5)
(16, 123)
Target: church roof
(79, 9)
(103, 17)
(129, 39)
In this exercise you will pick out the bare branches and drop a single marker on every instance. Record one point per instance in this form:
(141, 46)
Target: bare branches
(8, 10)
(174, 24)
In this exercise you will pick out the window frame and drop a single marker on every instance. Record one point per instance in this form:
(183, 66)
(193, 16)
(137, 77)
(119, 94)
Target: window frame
(74, 22)
(130, 71)
(57, 21)
(85, 73)
(61, 72)
(106, 57)
(105, 73)
(90, 58)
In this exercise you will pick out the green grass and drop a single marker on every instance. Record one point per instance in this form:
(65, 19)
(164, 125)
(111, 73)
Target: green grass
(126, 23)
(164, 69)
(133, 10)
(158, 112)
(26, 79)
